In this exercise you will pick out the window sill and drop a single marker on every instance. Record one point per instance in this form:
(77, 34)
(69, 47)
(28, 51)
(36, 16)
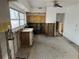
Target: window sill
(18, 28)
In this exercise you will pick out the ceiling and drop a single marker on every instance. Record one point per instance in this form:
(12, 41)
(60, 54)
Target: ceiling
(45, 3)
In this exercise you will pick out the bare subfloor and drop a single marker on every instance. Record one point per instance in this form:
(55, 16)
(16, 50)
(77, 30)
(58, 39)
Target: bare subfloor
(52, 48)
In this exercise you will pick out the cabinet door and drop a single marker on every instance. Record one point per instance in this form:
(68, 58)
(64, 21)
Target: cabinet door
(24, 38)
(36, 19)
(50, 29)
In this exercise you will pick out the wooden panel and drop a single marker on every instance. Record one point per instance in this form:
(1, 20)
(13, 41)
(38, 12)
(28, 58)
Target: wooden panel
(39, 28)
(36, 19)
(50, 29)
(24, 39)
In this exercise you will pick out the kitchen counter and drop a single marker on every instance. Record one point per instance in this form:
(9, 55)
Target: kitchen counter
(27, 30)
(27, 37)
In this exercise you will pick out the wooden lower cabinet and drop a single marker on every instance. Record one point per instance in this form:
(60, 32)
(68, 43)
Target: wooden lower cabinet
(50, 29)
(39, 28)
(24, 39)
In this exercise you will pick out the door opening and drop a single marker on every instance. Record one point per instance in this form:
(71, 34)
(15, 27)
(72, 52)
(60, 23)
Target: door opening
(59, 23)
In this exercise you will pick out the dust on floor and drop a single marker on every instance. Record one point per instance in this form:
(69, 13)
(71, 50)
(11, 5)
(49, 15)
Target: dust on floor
(52, 48)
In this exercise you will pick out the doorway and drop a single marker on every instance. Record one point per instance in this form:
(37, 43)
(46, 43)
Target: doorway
(59, 23)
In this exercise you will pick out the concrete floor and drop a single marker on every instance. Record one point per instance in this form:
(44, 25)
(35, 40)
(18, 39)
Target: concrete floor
(52, 48)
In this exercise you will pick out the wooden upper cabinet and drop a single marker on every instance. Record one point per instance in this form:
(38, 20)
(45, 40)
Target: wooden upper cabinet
(36, 19)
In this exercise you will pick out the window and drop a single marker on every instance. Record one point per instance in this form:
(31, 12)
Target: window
(22, 19)
(17, 18)
(14, 18)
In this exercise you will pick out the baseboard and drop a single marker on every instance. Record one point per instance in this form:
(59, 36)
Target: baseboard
(75, 45)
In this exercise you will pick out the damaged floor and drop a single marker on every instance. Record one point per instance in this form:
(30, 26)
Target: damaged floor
(52, 48)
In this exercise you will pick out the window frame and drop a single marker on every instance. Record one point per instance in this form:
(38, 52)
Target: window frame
(18, 18)
(21, 19)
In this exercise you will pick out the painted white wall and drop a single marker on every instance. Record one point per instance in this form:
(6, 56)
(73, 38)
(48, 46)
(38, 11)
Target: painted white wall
(71, 23)
(50, 15)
